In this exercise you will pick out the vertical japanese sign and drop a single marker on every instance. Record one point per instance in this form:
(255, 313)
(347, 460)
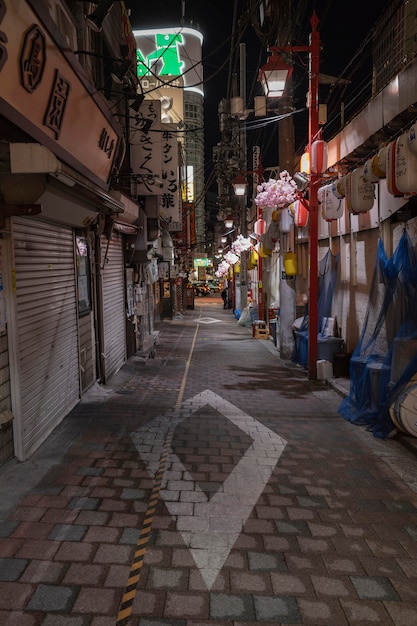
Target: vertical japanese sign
(256, 166)
(169, 199)
(146, 149)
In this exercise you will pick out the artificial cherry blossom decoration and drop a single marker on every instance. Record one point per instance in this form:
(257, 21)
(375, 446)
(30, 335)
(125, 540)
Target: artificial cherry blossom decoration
(222, 269)
(276, 193)
(241, 244)
(231, 258)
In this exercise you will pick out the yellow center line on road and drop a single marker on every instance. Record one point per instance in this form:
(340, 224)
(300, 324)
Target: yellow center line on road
(126, 604)
(187, 367)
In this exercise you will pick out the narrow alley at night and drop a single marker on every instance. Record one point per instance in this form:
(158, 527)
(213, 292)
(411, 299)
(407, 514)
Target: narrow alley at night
(212, 484)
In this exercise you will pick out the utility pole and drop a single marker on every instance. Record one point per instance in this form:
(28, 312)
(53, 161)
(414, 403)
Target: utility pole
(243, 200)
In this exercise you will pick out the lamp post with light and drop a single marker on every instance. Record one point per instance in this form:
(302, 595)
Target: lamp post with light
(240, 185)
(273, 76)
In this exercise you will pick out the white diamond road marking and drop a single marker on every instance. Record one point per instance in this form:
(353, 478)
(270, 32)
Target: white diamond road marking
(213, 527)
(207, 320)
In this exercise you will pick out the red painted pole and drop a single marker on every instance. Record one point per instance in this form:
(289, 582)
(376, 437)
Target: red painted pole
(313, 200)
(260, 278)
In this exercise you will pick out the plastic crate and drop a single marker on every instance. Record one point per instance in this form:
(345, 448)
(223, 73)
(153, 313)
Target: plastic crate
(261, 333)
(258, 325)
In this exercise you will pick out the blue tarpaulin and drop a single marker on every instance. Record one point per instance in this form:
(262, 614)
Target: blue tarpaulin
(390, 322)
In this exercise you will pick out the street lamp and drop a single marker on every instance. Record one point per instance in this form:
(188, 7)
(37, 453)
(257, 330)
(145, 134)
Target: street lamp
(228, 222)
(274, 75)
(239, 185)
(272, 81)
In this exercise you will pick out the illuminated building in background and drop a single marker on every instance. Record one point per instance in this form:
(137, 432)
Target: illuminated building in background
(170, 70)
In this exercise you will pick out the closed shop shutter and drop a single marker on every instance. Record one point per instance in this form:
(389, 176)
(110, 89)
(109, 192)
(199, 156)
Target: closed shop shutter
(48, 384)
(114, 316)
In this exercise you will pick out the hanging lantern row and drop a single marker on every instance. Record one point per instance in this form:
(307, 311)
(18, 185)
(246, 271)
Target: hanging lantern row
(396, 162)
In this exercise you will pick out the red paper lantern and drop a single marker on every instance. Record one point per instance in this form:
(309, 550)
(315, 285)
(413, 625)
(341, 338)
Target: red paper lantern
(300, 214)
(259, 227)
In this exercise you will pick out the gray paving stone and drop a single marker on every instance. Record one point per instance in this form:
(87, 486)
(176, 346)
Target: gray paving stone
(59, 620)
(68, 532)
(130, 536)
(378, 588)
(133, 494)
(298, 527)
(316, 501)
(229, 607)
(48, 598)
(171, 578)
(261, 561)
(273, 609)
(11, 569)
(85, 504)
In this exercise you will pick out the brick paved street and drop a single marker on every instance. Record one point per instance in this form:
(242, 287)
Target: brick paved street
(211, 485)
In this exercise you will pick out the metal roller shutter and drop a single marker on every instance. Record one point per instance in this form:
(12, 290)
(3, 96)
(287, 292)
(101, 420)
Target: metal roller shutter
(46, 329)
(114, 315)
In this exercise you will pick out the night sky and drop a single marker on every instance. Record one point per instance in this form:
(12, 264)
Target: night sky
(342, 27)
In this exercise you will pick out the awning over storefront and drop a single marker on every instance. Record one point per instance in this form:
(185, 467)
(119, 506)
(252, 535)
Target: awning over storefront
(37, 176)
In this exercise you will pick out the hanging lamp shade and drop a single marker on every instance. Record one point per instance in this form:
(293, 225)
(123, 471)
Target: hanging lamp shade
(273, 76)
(318, 160)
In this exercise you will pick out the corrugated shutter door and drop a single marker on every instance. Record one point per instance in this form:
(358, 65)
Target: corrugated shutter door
(114, 316)
(46, 310)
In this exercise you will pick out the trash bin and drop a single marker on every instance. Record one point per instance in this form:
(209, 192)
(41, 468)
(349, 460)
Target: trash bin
(327, 347)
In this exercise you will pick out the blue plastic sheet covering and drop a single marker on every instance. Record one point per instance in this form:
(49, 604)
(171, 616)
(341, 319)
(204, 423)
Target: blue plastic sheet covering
(328, 271)
(390, 324)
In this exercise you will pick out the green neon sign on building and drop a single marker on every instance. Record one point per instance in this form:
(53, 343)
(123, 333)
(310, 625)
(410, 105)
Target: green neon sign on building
(167, 52)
